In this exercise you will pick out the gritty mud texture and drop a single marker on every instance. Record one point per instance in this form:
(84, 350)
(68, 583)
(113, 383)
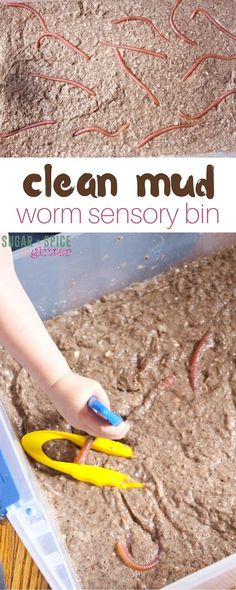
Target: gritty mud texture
(184, 443)
(24, 99)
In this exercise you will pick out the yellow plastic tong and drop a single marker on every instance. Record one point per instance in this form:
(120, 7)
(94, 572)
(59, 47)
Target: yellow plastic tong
(33, 442)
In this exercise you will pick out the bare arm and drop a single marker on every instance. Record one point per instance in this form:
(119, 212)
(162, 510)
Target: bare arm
(23, 333)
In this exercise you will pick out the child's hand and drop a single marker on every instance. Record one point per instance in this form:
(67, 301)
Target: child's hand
(70, 395)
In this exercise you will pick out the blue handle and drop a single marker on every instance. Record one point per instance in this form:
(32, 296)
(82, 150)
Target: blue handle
(97, 407)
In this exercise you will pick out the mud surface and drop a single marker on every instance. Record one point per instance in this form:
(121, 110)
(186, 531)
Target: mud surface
(184, 442)
(25, 100)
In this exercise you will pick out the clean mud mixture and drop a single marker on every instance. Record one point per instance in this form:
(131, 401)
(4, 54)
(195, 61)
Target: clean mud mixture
(25, 99)
(184, 442)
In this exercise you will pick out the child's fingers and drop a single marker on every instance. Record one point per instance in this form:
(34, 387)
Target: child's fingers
(91, 421)
(114, 435)
(104, 431)
(92, 431)
(115, 432)
(97, 426)
(102, 427)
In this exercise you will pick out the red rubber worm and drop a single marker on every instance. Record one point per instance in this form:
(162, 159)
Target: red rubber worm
(101, 130)
(73, 83)
(133, 48)
(209, 106)
(215, 22)
(199, 348)
(124, 553)
(135, 78)
(202, 58)
(5, 134)
(175, 28)
(82, 455)
(144, 19)
(164, 130)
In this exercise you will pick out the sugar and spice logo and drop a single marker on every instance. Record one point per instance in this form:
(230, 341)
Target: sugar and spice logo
(58, 245)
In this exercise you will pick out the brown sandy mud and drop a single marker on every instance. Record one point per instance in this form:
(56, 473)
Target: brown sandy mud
(184, 441)
(115, 100)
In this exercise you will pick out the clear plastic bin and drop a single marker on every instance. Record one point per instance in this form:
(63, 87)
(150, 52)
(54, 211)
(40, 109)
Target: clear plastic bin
(101, 263)
(98, 264)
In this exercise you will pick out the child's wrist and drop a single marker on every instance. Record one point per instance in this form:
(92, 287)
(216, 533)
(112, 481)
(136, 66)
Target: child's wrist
(59, 384)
